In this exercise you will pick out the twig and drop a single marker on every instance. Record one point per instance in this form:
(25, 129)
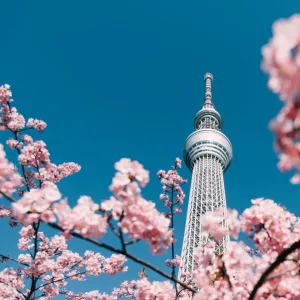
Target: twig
(58, 280)
(113, 228)
(122, 236)
(281, 274)
(4, 257)
(131, 242)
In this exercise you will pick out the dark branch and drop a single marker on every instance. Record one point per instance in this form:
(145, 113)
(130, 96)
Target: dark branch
(280, 259)
(115, 250)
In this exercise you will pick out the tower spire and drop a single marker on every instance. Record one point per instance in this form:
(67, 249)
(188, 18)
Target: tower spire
(208, 117)
(208, 78)
(207, 153)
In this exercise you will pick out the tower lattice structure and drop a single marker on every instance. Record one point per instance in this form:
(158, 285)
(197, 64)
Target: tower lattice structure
(207, 153)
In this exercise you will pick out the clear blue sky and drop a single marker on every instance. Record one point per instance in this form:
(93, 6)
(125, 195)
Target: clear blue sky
(125, 78)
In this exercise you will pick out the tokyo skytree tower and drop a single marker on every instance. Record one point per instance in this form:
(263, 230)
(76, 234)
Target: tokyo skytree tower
(207, 153)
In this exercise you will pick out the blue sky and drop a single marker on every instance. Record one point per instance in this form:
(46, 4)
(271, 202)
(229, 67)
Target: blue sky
(125, 79)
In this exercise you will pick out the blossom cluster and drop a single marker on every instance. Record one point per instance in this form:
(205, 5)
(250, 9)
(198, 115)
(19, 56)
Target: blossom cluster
(234, 274)
(83, 218)
(220, 223)
(126, 290)
(281, 61)
(33, 155)
(136, 216)
(174, 262)
(9, 177)
(36, 205)
(135, 289)
(172, 195)
(156, 290)
(52, 266)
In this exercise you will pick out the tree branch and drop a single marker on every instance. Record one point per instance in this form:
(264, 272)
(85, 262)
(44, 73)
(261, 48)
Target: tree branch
(280, 259)
(132, 257)
(113, 228)
(4, 258)
(115, 250)
(281, 274)
(123, 245)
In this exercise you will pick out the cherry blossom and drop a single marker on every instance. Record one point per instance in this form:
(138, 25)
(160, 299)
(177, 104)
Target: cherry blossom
(39, 125)
(4, 212)
(12, 143)
(9, 177)
(126, 290)
(10, 284)
(82, 218)
(11, 119)
(55, 173)
(213, 224)
(37, 204)
(34, 154)
(5, 94)
(172, 195)
(53, 265)
(270, 225)
(173, 262)
(281, 58)
(234, 274)
(138, 217)
(281, 61)
(133, 170)
(155, 290)
(143, 221)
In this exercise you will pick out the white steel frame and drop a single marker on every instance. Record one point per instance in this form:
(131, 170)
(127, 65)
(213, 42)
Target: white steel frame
(207, 153)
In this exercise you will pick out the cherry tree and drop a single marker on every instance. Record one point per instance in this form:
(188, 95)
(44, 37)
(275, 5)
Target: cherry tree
(269, 269)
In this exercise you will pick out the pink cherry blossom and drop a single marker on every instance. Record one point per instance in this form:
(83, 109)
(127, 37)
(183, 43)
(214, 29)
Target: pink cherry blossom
(204, 254)
(114, 264)
(233, 222)
(126, 290)
(142, 221)
(10, 283)
(155, 290)
(82, 218)
(4, 212)
(173, 262)
(281, 58)
(213, 224)
(113, 205)
(172, 194)
(11, 119)
(270, 224)
(36, 204)
(5, 94)
(34, 154)
(129, 170)
(56, 173)
(39, 125)
(53, 264)
(12, 143)
(27, 139)
(177, 210)
(178, 163)
(9, 177)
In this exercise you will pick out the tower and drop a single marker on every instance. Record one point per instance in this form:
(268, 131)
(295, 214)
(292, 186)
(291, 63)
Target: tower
(207, 153)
